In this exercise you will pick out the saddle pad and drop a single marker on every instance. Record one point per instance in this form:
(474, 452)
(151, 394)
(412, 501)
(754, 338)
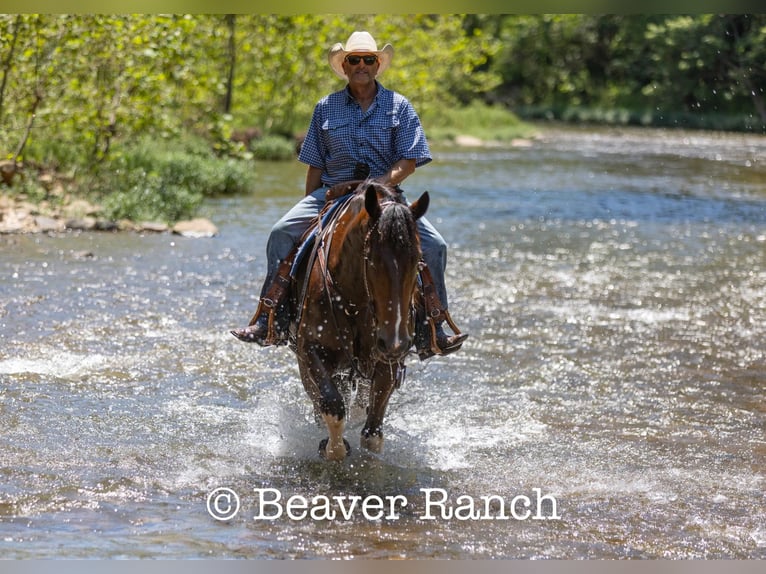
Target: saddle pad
(319, 224)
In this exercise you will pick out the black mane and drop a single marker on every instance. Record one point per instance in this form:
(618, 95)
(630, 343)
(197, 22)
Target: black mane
(396, 226)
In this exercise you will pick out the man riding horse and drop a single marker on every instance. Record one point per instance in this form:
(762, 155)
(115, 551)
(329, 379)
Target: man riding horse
(363, 131)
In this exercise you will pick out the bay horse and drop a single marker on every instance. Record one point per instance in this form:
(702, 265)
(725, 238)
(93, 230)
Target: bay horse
(353, 299)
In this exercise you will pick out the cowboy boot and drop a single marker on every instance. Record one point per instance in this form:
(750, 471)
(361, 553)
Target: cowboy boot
(271, 322)
(430, 336)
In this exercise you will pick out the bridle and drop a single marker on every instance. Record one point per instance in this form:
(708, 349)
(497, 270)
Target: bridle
(333, 294)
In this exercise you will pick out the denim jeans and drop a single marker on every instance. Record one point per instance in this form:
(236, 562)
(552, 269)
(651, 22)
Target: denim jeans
(288, 230)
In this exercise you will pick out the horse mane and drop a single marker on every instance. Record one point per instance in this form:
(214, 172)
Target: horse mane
(396, 225)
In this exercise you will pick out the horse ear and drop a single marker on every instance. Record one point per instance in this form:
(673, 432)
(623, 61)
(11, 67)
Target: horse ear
(371, 203)
(420, 206)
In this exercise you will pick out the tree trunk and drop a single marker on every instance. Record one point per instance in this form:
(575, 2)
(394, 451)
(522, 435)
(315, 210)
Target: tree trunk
(231, 21)
(7, 62)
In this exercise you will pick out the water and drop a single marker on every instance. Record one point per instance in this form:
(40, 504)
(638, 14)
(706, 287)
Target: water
(612, 282)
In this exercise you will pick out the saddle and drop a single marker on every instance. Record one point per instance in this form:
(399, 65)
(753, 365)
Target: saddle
(335, 198)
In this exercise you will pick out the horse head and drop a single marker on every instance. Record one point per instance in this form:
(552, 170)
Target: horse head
(392, 255)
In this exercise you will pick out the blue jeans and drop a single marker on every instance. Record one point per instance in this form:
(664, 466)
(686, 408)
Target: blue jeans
(287, 232)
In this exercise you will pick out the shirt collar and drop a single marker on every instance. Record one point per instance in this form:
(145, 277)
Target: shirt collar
(350, 98)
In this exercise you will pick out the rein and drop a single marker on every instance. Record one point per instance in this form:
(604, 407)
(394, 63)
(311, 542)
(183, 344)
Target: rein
(367, 249)
(322, 244)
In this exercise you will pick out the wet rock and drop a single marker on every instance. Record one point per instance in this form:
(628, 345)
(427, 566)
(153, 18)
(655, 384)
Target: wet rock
(15, 220)
(106, 225)
(126, 225)
(199, 227)
(84, 224)
(153, 226)
(47, 224)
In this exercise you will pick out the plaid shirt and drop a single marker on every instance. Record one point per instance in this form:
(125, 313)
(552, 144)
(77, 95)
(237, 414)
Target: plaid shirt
(341, 134)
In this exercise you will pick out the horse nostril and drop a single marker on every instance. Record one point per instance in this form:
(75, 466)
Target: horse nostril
(395, 348)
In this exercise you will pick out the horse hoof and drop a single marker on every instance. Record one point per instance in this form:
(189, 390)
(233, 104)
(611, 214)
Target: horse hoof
(373, 443)
(323, 450)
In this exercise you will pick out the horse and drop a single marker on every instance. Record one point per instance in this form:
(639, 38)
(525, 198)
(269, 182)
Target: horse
(353, 300)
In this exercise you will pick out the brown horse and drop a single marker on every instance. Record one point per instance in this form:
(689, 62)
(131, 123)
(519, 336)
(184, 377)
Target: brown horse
(354, 298)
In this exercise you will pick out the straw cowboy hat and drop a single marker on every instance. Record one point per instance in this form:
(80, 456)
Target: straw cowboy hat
(361, 43)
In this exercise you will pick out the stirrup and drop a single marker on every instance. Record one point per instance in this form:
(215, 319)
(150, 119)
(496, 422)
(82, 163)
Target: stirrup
(435, 315)
(434, 323)
(267, 308)
(272, 305)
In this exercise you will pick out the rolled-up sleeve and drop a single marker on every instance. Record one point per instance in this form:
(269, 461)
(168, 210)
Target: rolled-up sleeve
(411, 140)
(311, 150)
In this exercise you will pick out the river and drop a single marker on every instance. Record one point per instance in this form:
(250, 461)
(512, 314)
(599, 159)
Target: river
(613, 282)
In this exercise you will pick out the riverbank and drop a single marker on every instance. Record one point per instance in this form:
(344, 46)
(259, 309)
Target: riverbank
(58, 205)
(610, 116)
(18, 215)
(55, 204)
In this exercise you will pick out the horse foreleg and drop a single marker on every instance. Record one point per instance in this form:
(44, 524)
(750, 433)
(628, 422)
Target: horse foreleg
(384, 381)
(334, 447)
(328, 401)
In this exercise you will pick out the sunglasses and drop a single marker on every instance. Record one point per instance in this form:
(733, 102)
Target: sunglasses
(368, 60)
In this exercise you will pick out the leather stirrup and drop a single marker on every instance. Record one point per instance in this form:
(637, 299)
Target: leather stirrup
(434, 310)
(274, 299)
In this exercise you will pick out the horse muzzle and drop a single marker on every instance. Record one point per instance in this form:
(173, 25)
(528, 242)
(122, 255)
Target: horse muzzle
(392, 349)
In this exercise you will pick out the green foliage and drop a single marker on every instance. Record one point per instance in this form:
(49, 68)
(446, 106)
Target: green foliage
(94, 80)
(700, 70)
(146, 196)
(91, 81)
(158, 180)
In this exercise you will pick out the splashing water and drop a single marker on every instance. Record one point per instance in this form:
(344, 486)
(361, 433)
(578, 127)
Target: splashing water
(612, 283)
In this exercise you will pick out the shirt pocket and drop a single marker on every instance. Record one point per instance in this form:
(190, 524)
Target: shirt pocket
(382, 135)
(336, 133)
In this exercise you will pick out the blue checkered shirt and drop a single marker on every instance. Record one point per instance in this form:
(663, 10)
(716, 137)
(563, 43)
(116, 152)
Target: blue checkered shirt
(341, 134)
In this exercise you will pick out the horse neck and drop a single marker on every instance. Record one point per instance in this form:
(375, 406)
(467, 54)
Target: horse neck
(346, 260)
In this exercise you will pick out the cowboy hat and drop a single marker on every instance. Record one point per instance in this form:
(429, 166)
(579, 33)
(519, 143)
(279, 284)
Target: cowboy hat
(363, 43)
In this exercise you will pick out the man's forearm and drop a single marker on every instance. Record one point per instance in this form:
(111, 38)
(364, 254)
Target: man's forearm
(398, 172)
(313, 179)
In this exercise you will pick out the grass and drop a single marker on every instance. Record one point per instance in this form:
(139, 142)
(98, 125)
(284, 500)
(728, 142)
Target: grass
(488, 123)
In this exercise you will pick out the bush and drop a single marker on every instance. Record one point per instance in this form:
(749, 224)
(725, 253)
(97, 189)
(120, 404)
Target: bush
(148, 197)
(156, 180)
(273, 148)
(54, 153)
